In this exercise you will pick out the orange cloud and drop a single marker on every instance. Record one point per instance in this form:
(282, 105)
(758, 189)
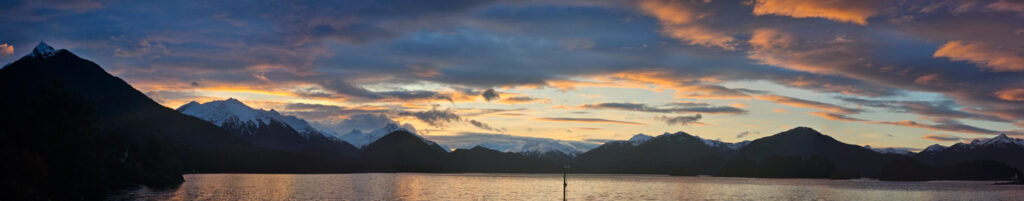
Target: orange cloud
(678, 20)
(6, 49)
(524, 100)
(1011, 94)
(587, 120)
(941, 137)
(984, 54)
(684, 86)
(852, 11)
(930, 79)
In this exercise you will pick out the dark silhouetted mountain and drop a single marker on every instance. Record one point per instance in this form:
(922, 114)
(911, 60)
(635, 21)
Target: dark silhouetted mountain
(1002, 148)
(402, 151)
(480, 159)
(914, 170)
(271, 129)
(658, 155)
(69, 130)
(803, 142)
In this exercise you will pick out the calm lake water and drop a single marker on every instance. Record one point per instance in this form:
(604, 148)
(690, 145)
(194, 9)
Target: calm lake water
(412, 186)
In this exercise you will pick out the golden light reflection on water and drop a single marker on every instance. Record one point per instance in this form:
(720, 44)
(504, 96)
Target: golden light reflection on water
(548, 187)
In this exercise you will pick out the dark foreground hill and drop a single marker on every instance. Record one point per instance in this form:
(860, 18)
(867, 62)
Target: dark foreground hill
(70, 130)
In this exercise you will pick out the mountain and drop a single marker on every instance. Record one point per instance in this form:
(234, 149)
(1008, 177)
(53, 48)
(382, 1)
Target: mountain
(803, 142)
(890, 150)
(481, 159)
(639, 139)
(658, 155)
(70, 130)
(359, 139)
(402, 151)
(232, 111)
(271, 129)
(553, 150)
(933, 148)
(1001, 148)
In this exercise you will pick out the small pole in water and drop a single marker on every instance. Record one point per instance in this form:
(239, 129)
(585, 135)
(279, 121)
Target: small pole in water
(565, 168)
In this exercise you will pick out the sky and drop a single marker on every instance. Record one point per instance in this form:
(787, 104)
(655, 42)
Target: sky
(885, 73)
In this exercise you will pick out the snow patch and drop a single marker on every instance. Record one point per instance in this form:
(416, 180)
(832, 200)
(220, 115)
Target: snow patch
(42, 50)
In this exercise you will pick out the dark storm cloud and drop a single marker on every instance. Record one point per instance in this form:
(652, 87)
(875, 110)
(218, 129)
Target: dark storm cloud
(490, 95)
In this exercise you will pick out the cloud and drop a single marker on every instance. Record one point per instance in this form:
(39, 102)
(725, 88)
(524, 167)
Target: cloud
(1011, 94)
(686, 107)
(344, 89)
(836, 117)
(524, 99)
(361, 122)
(745, 133)
(441, 118)
(986, 55)
(484, 126)
(852, 11)
(681, 120)
(796, 102)
(586, 120)
(6, 49)
(434, 117)
(943, 109)
(941, 137)
(951, 126)
(490, 95)
(679, 20)
(1004, 5)
(320, 111)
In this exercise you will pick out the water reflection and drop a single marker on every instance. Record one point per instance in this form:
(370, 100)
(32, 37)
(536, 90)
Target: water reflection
(548, 187)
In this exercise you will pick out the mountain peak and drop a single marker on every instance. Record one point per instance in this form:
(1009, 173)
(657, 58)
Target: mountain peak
(801, 131)
(220, 112)
(639, 139)
(42, 50)
(934, 147)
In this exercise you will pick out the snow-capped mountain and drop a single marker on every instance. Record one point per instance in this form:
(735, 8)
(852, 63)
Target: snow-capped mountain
(537, 147)
(889, 150)
(1000, 141)
(933, 148)
(269, 128)
(724, 145)
(232, 111)
(1001, 148)
(360, 139)
(639, 139)
(42, 50)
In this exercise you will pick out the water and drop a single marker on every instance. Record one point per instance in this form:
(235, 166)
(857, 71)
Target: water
(413, 186)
